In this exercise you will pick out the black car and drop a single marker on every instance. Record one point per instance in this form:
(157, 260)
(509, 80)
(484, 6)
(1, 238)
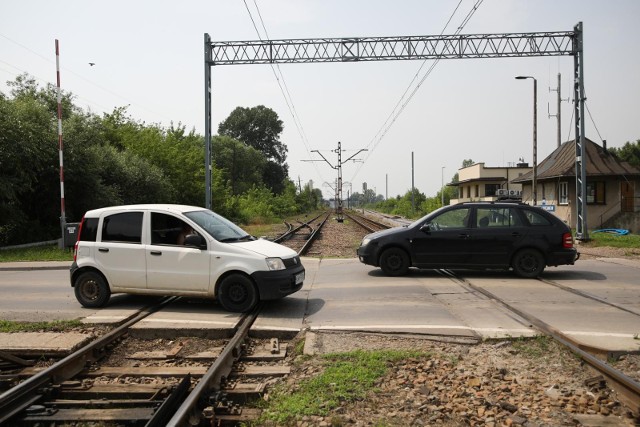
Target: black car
(474, 235)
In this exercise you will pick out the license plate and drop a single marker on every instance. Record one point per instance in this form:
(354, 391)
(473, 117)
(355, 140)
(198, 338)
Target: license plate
(299, 278)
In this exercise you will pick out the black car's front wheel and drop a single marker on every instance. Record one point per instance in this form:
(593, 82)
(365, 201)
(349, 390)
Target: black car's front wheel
(394, 262)
(528, 263)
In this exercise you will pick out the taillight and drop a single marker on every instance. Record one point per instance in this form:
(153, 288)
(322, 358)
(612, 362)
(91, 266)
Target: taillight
(75, 247)
(567, 240)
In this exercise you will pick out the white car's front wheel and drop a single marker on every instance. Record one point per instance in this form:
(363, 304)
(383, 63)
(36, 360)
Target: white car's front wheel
(237, 293)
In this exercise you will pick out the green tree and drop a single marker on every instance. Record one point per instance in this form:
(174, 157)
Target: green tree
(629, 152)
(259, 127)
(241, 166)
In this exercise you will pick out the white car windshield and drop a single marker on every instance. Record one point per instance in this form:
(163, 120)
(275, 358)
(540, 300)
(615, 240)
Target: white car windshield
(218, 227)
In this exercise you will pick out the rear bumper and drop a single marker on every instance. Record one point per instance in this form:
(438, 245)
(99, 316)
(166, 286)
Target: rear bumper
(567, 257)
(279, 284)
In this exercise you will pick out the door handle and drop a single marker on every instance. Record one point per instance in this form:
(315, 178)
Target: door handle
(463, 236)
(156, 253)
(103, 249)
(516, 234)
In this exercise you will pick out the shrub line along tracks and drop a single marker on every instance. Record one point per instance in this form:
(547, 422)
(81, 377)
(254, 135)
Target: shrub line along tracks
(627, 388)
(49, 396)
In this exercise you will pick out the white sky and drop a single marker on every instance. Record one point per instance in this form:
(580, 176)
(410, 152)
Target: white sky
(149, 55)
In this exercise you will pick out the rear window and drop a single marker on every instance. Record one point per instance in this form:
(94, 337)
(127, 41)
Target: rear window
(497, 217)
(536, 219)
(123, 227)
(89, 230)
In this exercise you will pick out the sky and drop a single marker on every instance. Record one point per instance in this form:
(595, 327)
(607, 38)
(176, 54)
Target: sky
(149, 57)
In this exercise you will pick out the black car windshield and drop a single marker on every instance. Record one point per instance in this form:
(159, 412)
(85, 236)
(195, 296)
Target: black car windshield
(218, 227)
(420, 221)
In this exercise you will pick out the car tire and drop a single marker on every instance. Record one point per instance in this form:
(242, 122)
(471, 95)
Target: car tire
(92, 290)
(394, 262)
(528, 263)
(237, 293)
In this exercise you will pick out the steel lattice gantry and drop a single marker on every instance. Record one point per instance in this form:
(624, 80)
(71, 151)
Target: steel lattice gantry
(356, 49)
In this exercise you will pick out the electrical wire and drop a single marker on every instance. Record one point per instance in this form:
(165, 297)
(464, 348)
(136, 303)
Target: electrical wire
(284, 89)
(391, 119)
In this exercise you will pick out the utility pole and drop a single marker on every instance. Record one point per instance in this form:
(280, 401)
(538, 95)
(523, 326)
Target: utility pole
(413, 194)
(338, 189)
(386, 186)
(559, 109)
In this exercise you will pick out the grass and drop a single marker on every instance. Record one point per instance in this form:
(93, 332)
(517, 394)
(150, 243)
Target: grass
(39, 253)
(612, 240)
(533, 348)
(346, 377)
(55, 326)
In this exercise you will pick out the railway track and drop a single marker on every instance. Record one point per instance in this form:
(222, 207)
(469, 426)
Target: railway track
(366, 223)
(300, 238)
(186, 381)
(626, 388)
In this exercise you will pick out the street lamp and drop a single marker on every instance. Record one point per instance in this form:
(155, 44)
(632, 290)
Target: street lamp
(442, 188)
(535, 135)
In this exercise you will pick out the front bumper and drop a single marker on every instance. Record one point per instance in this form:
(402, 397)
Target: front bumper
(367, 255)
(280, 283)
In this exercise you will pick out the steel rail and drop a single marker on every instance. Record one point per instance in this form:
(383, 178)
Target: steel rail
(284, 235)
(356, 218)
(627, 388)
(220, 369)
(292, 230)
(23, 395)
(313, 236)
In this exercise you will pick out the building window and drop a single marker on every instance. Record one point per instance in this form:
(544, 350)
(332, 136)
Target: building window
(468, 192)
(563, 193)
(596, 193)
(490, 189)
(477, 189)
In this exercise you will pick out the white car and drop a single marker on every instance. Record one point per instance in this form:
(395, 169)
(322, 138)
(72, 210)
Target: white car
(178, 250)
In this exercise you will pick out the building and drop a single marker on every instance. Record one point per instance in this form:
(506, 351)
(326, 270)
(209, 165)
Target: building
(613, 187)
(480, 183)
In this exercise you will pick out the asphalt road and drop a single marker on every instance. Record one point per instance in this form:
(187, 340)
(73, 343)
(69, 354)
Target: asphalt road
(343, 294)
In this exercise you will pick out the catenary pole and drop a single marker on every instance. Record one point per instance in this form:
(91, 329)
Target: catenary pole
(63, 219)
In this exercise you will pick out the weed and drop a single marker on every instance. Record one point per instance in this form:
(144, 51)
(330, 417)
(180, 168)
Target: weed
(55, 326)
(347, 377)
(533, 348)
(38, 253)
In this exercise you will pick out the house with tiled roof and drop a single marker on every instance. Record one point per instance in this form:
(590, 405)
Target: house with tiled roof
(478, 182)
(613, 187)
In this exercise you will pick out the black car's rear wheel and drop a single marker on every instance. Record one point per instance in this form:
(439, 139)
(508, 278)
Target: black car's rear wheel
(394, 262)
(91, 290)
(528, 263)
(237, 293)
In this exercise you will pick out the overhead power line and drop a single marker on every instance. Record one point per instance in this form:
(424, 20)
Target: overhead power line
(404, 100)
(282, 84)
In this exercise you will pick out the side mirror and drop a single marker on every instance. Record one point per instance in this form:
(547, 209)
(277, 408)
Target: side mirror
(426, 228)
(195, 240)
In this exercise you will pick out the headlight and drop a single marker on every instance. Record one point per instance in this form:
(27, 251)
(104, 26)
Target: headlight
(275, 264)
(365, 241)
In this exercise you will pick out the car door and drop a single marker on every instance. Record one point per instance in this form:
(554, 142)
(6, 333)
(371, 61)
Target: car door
(497, 231)
(172, 266)
(120, 254)
(442, 241)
